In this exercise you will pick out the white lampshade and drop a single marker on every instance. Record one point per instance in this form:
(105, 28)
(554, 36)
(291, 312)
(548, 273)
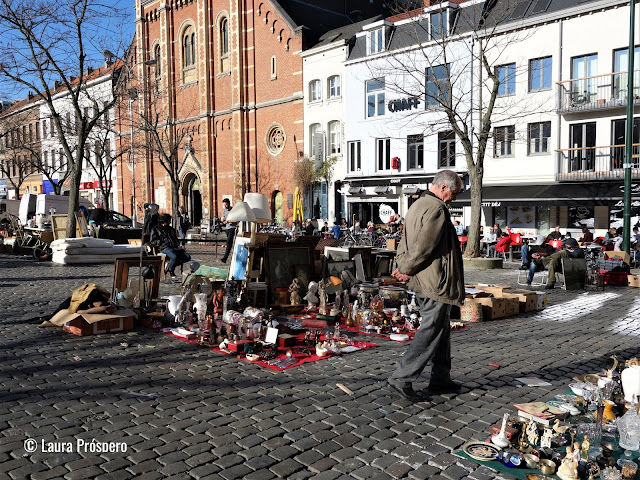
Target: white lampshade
(241, 212)
(259, 203)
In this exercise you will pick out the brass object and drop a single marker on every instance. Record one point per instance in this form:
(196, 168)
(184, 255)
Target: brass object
(548, 467)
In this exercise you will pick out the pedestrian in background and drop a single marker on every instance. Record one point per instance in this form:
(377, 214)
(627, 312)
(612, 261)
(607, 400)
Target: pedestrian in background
(229, 228)
(183, 223)
(429, 259)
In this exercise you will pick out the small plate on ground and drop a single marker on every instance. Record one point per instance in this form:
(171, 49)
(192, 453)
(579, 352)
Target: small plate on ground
(481, 451)
(399, 337)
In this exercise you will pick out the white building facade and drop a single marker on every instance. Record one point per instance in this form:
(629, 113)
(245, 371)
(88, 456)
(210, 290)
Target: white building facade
(99, 156)
(397, 135)
(558, 136)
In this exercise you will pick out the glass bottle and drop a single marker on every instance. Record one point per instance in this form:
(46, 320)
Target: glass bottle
(629, 429)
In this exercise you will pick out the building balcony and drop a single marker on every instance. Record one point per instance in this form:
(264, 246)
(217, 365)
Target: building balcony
(600, 92)
(596, 163)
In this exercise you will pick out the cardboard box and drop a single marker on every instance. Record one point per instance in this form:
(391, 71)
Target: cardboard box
(624, 256)
(633, 280)
(492, 308)
(528, 301)
(495, 290)
(92, 324)
(392, 244)
(511, 306)
(542, 300)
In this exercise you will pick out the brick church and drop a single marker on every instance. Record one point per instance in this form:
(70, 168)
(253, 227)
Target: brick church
(218, 85)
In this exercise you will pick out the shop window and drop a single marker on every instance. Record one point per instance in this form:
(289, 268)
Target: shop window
(319, 201)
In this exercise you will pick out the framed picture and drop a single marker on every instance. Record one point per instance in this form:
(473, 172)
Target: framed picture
(335, 268)
(239, 259)
(283, 261)
(82, 224)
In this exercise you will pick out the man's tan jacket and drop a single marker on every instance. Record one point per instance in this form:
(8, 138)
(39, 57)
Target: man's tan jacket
(429, 252)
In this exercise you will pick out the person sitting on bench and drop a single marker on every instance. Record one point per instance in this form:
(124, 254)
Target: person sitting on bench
(554, 262)
(165, 240)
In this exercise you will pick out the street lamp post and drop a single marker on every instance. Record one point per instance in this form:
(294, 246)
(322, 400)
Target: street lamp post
(133, 95)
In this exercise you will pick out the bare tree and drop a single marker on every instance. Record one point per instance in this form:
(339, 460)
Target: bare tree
(103, 161)
(156, 134)
(452, 58)
(48, 47)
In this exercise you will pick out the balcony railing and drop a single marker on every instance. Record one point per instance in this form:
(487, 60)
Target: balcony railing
(596, 163)
(606, 91)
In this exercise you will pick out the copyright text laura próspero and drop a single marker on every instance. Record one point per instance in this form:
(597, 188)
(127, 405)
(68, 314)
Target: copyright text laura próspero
(80, 445)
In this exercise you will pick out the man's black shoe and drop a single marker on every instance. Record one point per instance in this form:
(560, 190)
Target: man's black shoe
(524, 267)
(408, 393)
(223, 260)
(550, 286)
(445, 387)
(529, 283)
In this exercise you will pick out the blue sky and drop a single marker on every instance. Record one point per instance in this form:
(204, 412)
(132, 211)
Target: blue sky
(114, 34)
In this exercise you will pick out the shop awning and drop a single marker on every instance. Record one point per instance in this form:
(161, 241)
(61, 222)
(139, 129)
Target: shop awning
(586, 194)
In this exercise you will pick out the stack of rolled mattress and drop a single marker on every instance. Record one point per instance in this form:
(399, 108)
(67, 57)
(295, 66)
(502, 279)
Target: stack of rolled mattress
(90, 250)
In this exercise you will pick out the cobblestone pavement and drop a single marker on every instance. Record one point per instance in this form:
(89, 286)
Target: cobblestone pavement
(186, 412)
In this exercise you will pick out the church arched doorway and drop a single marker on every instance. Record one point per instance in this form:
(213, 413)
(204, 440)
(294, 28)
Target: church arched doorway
(193, 198)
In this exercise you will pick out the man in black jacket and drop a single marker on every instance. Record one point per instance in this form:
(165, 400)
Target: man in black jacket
(554, 262)
(165, 240)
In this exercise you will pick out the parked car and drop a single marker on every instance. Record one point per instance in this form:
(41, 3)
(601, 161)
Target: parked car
(115, 219)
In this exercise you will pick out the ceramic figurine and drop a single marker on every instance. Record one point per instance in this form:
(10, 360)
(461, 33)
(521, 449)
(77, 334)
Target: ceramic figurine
(545, 441)
(559, 428)
(345, 303)
(576, 451)
(335, 310)
(294, 291)
(217, 301)
(322, 293)
(568, 469)
(501, 439)
(532, 433)
(310, 297)
(584, 449)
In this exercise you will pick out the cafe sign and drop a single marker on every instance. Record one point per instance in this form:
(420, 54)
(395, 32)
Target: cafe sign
(403, 104)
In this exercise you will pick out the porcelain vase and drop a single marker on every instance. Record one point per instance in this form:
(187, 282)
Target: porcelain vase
(631, 382)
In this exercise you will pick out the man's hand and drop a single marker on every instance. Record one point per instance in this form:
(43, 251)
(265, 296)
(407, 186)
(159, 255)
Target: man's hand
(400, 276)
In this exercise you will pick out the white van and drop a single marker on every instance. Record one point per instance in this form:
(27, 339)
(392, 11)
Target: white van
(7, 208)
(41, 205)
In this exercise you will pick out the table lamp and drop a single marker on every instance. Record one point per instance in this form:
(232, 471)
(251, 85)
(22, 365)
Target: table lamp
(259, 204)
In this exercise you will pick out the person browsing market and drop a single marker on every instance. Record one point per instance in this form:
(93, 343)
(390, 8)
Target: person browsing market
(165, 239)
(430, 261)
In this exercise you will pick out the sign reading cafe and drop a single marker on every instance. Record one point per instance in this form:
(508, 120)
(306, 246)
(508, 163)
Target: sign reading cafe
(403, 104)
